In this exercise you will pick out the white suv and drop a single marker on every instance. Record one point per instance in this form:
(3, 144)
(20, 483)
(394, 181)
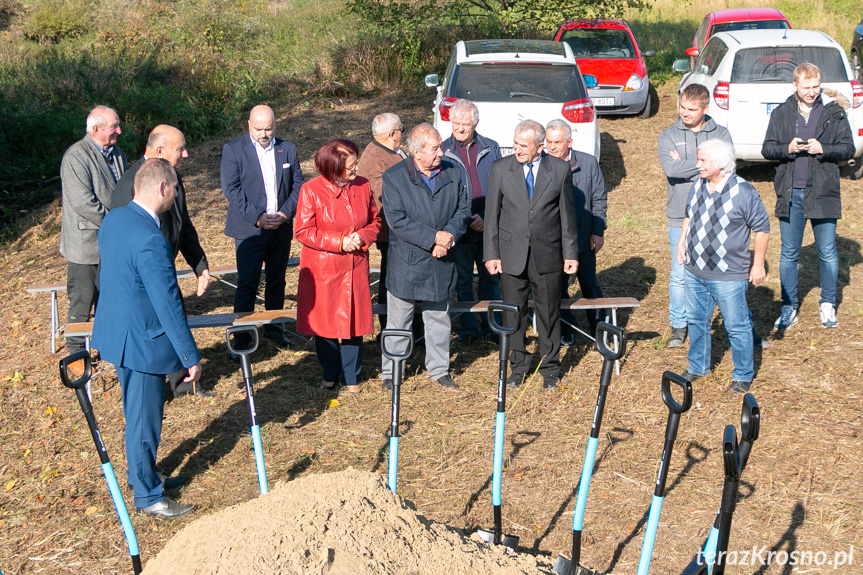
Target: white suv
(515, 80)
(749, 73)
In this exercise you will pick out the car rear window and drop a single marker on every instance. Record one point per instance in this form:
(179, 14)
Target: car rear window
(517, 83)
(776, 64)
(595, 43)
(750, 25)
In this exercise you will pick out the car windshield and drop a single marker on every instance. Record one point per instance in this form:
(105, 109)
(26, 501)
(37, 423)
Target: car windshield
(517, 83)
(598, 43)
(776, 64)
(750, 25)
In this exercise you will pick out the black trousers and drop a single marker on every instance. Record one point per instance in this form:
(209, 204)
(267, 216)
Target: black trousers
(546, 293)
(83, 294)
(252, 253)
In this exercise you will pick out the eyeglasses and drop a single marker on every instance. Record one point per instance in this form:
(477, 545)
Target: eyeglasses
(352, 167)
(399, 130)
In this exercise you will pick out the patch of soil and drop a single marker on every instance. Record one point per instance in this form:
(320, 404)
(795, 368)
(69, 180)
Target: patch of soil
(333, 523)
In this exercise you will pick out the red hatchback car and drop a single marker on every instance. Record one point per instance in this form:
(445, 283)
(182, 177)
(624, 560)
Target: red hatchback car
(735, 19)
(606, 49)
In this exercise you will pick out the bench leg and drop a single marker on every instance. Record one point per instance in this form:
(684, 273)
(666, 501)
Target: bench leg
(55, 322)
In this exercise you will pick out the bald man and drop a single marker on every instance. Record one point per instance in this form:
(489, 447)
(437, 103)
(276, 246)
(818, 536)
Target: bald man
(261, 178)
(168, 143)
(89, 171)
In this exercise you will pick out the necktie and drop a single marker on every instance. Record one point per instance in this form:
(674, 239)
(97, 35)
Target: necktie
(529, 181)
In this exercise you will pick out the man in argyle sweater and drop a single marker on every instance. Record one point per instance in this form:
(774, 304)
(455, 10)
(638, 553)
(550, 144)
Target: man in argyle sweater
(721, 213)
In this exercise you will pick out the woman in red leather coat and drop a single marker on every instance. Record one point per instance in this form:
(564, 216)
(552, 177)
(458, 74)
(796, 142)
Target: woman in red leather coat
(336, 221)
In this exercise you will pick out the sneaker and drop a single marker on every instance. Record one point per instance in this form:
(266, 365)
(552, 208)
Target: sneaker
(787, 318)
(678, 336)
(550, 382)
(691, 376)
(447, 382)
(739, 386)
(514, 380)
(828, 315)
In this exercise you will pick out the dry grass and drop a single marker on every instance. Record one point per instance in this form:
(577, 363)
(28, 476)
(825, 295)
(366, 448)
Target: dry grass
(800, 490)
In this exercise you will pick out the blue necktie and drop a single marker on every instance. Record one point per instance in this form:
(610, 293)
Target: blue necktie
(529, 181)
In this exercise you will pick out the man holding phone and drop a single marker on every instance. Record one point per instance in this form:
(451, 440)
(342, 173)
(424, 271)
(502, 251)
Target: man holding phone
(808, 134)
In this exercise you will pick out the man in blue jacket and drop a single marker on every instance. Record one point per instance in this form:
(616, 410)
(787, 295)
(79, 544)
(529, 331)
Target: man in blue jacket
(473, 155)
(427, 209)
(140, 326)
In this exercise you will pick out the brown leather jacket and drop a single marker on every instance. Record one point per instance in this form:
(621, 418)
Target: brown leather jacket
(374, 161)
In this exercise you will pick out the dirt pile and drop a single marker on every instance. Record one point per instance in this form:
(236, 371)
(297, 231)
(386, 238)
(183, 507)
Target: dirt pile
(338, 523)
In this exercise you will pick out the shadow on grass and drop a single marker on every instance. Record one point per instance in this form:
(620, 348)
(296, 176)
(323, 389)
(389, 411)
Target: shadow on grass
(788, 540)
(617, 435)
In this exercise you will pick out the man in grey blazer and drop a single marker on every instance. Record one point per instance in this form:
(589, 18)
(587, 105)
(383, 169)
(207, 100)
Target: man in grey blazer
(89, 171)
(530, 238)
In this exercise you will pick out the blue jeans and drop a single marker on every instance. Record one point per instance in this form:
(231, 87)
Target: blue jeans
(702, 297)
(791, 232)
(468, 251)
(676, 284)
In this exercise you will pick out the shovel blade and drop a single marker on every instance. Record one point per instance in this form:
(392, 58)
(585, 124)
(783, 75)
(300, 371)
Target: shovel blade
(510, 541)
(563, 566)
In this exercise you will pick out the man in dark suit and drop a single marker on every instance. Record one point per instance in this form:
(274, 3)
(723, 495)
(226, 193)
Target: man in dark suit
(140, 326)
(168, 143)
(530, 238)
(261, 178)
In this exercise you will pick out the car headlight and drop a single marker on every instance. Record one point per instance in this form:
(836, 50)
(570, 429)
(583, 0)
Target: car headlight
(634, 83)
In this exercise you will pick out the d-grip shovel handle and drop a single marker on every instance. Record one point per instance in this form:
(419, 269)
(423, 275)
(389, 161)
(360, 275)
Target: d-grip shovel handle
(236, 330)
(731, 454)
(503, 307)
(64, 369)
(668, 398)
(603, 328)
(750, 419)
(393, 334)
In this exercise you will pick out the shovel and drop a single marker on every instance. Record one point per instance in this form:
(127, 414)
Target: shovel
(750, 423)
(79, 385)
(246, 365)
(674, 411)
(731, 459)
(398, 360)
(496, 536)
(563, 565)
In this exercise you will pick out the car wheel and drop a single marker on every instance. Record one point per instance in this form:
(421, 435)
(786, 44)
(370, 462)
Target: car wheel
(855, 64)
(852, 172)
(645, 113)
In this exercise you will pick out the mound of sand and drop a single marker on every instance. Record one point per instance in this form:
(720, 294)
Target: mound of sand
(337, 523)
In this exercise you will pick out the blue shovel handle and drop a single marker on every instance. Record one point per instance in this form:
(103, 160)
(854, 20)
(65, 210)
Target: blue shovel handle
(259, 459)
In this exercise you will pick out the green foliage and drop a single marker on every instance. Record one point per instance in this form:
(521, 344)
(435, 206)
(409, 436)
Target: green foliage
(55, 20)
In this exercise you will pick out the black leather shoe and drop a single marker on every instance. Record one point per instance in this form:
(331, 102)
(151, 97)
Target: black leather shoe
(739, 386)
(167, 508)
(692, 377)
(514, 380)
(278, 338)
(186, 388)
(550, 381)
(447, 382)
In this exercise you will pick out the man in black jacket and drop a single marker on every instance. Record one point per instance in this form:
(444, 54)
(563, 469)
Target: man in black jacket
(168, 143)
(808, 134)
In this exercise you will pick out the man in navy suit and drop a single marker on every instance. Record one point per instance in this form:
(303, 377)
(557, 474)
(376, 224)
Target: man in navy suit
(140, 326)
(261, 178)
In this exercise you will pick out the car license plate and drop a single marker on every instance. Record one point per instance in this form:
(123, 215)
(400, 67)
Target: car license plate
(506, 152)
(771, 107)
(603, 101)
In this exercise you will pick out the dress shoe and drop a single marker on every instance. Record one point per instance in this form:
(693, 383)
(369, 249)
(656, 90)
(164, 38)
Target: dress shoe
(447, 382)
(514, 380)
(186, 388)
(169, 483)
(277, 336)
(167, 508)
(550, 381)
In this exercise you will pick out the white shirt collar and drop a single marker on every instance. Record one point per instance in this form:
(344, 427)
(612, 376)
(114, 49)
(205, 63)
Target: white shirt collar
(151, 212)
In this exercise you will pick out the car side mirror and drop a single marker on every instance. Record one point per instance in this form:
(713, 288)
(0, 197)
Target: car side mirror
(590, 81)
(649, 54)
(681, 65)
(691, 52)
(431, 80)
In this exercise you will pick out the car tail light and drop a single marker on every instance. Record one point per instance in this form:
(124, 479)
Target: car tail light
(444, 107)
(720, 95)
(578, 111)
(635, 83)
(857, 88)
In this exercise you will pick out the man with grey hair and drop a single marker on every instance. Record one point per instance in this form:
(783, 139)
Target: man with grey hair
(721, 213)
(588, 187)
(89, 171)
(531, 239)
(473, 154)
(382, 153)
(427, 209)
